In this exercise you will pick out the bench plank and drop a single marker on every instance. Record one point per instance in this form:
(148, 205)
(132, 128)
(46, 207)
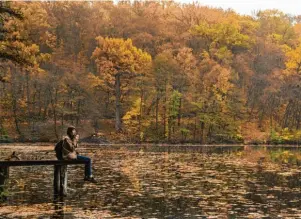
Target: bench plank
(40, 162)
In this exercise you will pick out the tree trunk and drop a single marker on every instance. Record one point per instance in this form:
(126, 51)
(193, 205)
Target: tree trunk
(287, 113)
(40, 103)
(169, 126)
(141, 105)
(118, 126)
(46, 105)
(202, 133)
(28, 98)
(164, 116)
(14, 104)
(16, 116)
(179, 114)
(194, 128)
(165, 111)
(62, 119)
(34, 107)
(107, 104)
(71, 107)
(78, 113)
(157, 113)
(54, 103)
(210, 133)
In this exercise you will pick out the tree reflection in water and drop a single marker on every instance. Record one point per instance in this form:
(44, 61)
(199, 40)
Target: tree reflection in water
(150, 184)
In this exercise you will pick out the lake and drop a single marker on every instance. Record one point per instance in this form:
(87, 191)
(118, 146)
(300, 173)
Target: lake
(155, 182)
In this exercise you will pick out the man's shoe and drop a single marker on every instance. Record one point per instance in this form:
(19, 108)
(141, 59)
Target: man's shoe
(90, 179)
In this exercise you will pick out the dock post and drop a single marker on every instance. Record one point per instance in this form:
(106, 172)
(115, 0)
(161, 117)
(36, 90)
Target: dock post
(63, 185)
(4, 174)
(57, 180)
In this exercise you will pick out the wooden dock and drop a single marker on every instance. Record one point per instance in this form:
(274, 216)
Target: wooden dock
(59, 173)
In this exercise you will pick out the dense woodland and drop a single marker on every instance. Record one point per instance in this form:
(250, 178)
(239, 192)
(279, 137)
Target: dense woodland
(149, 72)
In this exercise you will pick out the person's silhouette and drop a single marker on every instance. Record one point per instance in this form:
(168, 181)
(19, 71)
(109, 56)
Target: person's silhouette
(69, 145)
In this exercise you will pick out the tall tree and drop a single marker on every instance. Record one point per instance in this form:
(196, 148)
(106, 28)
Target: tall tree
(118, 62)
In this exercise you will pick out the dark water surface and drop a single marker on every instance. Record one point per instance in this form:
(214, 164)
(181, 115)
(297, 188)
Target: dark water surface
(141, 183)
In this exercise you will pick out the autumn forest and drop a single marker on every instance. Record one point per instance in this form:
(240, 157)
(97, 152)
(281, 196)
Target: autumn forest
(148, 71)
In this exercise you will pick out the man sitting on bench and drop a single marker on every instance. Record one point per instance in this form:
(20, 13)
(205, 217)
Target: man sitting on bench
(67, 151)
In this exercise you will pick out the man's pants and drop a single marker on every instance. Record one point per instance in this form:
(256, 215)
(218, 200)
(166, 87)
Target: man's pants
(88, 166)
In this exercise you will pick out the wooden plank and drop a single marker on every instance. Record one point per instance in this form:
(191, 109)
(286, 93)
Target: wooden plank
(40, 162)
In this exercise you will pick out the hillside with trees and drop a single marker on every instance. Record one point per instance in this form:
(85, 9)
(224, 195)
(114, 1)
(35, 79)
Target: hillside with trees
(149, 72)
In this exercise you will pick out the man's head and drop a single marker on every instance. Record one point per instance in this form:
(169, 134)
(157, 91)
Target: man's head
(71, 132)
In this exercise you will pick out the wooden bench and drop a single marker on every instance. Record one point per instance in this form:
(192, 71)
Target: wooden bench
(60, 172)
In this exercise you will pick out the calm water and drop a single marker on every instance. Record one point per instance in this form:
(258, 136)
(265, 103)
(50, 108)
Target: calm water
(198, 183)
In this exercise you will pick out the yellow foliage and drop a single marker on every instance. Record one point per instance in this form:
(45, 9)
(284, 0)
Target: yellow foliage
(116, 55)
(223, 34)
(94, 81)
(293, 63)
(133, 113)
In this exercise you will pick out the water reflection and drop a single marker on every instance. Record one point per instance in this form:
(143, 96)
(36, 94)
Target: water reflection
(148, 184)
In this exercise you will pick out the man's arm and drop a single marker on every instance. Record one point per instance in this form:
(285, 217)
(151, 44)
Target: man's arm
(76, 140)
(68, 151)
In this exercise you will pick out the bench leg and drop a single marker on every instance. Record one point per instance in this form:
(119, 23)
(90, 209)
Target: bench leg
(57, 180)
(64, 180)
(4, 174)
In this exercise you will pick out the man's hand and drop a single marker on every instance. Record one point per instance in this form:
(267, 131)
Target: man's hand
(76, 139)
(72, 156)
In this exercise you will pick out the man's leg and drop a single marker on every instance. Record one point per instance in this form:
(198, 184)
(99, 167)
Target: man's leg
(88, 166)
